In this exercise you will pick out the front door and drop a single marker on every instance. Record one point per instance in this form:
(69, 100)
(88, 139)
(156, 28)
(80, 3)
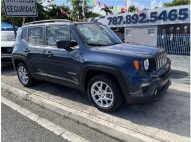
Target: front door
(61, 65)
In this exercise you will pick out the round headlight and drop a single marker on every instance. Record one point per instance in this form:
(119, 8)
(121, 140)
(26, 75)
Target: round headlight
(146, 64)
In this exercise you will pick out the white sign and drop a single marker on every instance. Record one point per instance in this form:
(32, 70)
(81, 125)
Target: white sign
(20, 8)
(160, 16)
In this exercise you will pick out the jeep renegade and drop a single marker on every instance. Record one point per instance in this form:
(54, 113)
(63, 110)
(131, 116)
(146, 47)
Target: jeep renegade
(90, 57)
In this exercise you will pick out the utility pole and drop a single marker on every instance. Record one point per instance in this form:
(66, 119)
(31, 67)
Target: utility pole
(12, 21)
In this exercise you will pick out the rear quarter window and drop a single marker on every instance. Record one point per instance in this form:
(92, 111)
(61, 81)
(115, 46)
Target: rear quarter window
(24, 34)
(36, 35)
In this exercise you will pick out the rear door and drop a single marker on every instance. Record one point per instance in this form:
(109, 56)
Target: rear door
(35, 51)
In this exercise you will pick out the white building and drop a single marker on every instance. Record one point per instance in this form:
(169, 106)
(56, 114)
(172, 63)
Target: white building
(144, 27)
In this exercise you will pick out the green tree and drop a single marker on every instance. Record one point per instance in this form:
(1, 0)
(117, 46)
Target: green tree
(107, 10)
(42, 15)
(78, 9)
(177, 3)
(55, 12)
(91, 14)
(132, 8)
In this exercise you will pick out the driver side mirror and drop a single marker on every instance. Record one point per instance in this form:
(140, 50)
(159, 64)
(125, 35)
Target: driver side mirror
(64, 44)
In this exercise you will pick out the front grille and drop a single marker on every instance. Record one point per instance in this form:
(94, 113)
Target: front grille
(158, 62)
(6, 50)
(161, 61)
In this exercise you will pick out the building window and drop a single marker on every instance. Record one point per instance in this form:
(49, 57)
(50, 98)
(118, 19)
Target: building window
(151, 31)
(128, 32)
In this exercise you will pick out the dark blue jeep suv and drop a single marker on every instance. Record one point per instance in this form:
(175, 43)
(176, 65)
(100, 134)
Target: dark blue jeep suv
(90, 57)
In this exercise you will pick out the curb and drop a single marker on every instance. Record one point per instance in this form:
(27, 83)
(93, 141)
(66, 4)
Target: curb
(108, 128)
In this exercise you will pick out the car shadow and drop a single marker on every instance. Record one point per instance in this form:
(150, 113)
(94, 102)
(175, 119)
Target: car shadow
(177, 74)
(62, 91)
(166, 114)
(7, 69)
(171, 113)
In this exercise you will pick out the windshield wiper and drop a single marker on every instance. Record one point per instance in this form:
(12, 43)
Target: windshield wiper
(115, 43)
(93, 44)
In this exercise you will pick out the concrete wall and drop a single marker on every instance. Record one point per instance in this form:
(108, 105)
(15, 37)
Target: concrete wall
(140, 35)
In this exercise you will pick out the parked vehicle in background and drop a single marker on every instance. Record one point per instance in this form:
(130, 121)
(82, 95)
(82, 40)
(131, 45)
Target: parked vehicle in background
(7, 43)
(92, 58)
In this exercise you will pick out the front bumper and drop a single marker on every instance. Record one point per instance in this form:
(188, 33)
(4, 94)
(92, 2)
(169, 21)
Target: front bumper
(151, 90)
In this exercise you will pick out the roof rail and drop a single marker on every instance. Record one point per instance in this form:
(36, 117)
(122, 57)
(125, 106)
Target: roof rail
(47, 21)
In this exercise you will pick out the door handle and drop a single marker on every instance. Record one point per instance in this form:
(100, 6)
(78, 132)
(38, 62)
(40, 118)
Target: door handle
(26, 50)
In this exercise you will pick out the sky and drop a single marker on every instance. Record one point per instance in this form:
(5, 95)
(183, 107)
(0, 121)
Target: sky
(140, 3)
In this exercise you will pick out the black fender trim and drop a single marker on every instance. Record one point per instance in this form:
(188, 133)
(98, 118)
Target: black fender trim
(18, 57)
(119, 76)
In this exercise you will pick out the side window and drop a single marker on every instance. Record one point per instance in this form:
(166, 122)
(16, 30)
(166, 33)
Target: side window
(36, 35)
(24, 34)
(56, 33)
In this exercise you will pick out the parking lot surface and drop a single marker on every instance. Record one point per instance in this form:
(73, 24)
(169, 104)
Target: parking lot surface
(165, 120)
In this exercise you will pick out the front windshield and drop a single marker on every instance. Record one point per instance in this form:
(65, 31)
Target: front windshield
(7, 36)
(98, 35)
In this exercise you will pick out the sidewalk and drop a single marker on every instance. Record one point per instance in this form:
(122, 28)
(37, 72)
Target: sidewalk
(180, 63)
(180, 69)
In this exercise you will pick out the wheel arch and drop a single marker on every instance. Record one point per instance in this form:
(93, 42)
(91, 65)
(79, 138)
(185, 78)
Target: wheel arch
(16, 60)
(92, 70)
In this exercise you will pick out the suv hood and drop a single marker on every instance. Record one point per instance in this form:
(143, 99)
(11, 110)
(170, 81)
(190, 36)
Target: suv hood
(131, 50)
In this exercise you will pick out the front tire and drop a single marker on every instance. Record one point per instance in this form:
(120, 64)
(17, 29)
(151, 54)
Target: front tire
(104, 93)
(24, 76)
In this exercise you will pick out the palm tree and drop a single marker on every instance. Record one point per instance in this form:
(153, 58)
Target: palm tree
(132, 8)
(107, 10)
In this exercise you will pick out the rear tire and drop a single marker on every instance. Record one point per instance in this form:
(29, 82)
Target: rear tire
(24, 75)
(105, 93)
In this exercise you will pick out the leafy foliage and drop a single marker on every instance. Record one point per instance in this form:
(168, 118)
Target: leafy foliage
(42, 15)
(54, 12)
(132, 8)
(177, 3)
(78, 9)
(107, 10)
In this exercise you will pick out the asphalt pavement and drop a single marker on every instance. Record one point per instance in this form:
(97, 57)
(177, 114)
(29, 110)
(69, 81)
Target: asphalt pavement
(19, 128)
